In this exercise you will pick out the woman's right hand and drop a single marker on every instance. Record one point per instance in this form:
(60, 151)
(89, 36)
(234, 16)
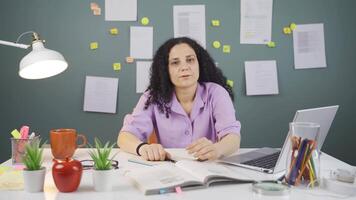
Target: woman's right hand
(153, 152)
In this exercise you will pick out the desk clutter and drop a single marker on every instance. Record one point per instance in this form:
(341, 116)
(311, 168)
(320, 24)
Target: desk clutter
(28, 172)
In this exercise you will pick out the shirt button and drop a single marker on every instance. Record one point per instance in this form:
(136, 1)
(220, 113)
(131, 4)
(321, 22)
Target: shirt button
(187, 132)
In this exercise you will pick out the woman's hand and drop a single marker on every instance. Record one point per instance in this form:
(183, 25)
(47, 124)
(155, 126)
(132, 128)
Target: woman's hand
(153, 152)
(204, 149)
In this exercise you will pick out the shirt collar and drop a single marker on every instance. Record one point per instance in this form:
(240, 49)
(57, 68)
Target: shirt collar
(199, 102)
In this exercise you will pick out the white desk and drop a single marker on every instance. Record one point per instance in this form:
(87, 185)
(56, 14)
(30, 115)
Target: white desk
(124, 189)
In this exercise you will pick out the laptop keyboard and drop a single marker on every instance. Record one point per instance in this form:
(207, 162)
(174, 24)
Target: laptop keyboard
(267, 162)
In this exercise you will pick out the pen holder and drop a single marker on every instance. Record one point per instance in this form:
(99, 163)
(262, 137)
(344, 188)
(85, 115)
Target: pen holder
(18, 149)
(303, 162)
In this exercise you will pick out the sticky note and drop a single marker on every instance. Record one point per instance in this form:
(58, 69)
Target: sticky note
(116, 66)
(226, 48)
(114, 31)
(129, 59)
(97, 11)
(145, 21)
(216, 44)
(16, 134)
(230, 83)
(287, 30)
(24, 132)
(178, 190)
(215, 22)
(94, 45)
(93, 6)
(292, 26)
(271, 44)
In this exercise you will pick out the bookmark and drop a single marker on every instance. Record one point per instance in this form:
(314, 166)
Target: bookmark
(178, 190)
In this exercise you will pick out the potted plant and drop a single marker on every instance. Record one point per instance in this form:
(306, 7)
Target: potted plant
(102, 165)
(34, 173)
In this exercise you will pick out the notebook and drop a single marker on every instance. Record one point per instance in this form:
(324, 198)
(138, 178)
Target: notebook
(271, 160)
(185, 175)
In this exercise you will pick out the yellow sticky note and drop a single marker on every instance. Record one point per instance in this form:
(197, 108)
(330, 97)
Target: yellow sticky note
(16, 134)
(116, 66)
(216, 44)
(226, 48)
(215, 22)
(114, 31)
(271, 44)
(292, 26)
(287, 30)
(129, 59)
(145, 21)
(94, 45)
(230, 83)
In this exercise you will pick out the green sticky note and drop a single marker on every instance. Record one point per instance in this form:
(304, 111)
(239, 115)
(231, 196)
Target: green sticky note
(114, 31)
(292, 26)
(145, 21)
(226, 48)
(271, 44)
(16, 134)
(94, 45)
(116, 66)
(230, 83)
(215, 22)
(216, 44)
(287, 30)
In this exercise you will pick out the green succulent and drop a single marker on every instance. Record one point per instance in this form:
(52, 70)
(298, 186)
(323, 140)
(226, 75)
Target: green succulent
(33, 155)
(100, 154)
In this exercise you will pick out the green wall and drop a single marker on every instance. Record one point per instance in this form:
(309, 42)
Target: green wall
(69, 27)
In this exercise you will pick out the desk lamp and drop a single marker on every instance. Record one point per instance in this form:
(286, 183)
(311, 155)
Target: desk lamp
(40, 62)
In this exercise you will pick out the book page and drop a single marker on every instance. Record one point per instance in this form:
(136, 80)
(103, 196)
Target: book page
(180, 154)
(161, 177)
(207, 171)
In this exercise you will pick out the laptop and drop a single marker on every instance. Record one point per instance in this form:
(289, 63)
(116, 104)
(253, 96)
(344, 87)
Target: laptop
(271, 160)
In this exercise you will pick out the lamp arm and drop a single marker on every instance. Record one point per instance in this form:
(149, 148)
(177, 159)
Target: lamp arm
(23, 46)
(16, 44)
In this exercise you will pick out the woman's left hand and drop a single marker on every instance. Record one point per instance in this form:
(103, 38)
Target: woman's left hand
(204, 149)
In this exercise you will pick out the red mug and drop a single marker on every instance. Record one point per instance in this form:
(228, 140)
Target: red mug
(64, 142)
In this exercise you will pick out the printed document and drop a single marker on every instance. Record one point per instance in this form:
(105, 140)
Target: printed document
(141, 42)
(189, 21)
(261, 77)
(256, 21)
(309, 46)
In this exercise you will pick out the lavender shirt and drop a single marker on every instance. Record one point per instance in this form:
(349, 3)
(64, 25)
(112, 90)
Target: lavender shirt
(212, 116)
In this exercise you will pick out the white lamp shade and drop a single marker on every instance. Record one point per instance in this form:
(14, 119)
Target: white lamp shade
(41, 63)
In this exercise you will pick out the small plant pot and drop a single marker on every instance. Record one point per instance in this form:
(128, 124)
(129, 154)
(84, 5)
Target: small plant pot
(34, 180)
(102, 180)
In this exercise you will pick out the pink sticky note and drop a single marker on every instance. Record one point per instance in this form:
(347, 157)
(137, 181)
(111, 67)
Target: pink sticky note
(24, 132)
(178, 190)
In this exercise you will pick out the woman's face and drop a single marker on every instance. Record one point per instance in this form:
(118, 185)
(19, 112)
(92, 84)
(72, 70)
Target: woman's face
(183, 66)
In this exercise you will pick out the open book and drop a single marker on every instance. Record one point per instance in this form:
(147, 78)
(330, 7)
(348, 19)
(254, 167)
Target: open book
(187, 174)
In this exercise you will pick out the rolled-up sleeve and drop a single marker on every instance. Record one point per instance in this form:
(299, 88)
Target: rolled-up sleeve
(224, 113)
(139, 123)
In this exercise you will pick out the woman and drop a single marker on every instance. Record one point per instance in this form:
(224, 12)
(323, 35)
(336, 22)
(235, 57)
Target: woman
(187, 104)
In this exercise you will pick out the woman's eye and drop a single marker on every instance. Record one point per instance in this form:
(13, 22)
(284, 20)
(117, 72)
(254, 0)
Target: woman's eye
(190, 60)
(174, 63)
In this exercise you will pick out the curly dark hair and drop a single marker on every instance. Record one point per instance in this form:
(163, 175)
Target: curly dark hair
(161, 88)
